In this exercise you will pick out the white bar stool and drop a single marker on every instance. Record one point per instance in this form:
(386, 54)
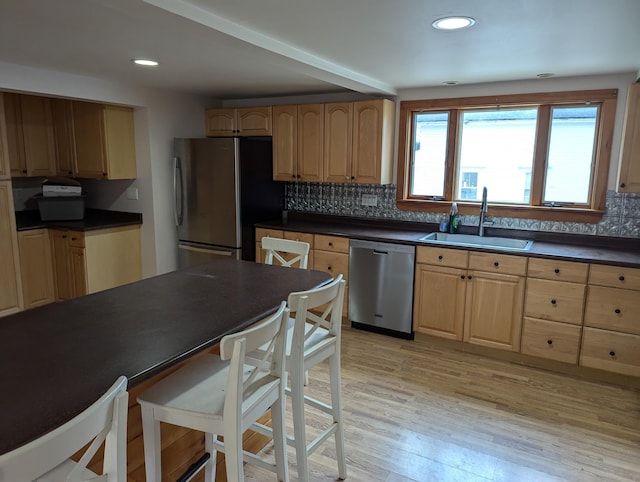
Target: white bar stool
(276, 246)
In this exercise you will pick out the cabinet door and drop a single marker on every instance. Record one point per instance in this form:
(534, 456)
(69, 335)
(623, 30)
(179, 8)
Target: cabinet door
(337, 141)
(119, 142)
(62, 274)
(439, 301)
(5, 168)
(310, 142)
(373, 122)
(62, 112)
(220, 122)
(15, 140)
(254, 121)
(37, 130)
(493, 315)
(78, 270)
(10, 289)
(36, 268)
(285, 142)
(629, 169)
(88, 130)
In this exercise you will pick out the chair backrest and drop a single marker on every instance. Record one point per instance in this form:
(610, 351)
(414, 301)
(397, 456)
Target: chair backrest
(276, 246)
(326, 303)
(251, 378)
(105, 420)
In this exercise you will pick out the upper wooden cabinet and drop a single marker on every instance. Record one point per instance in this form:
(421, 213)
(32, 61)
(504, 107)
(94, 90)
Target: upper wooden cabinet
(245, 121)
(629, 169)
(29, 130)
(104, 141)
(62, 113)
(298, 142)
(5, 169)
(338, 140)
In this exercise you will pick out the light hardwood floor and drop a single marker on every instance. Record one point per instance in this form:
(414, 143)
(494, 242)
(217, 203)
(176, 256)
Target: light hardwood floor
(420, 411)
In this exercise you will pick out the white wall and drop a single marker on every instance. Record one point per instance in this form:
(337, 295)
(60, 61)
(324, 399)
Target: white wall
(594, 82)
(159, 117)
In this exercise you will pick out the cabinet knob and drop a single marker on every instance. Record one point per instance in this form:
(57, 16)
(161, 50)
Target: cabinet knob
(612, 353)
(24, 171)
(293, 176)
(64, 236)
(549, 341)
(73, 238)
(556, 271)
(440, 257)
(469, 277)
(623, 185)
(329, 268)
(330, 244)
(462, 276)
(621, 278)
(617, 311)
(553, 302)
(353, 177)
(496, 264)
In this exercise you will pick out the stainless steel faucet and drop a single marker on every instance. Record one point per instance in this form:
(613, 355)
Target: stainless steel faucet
(483, 212)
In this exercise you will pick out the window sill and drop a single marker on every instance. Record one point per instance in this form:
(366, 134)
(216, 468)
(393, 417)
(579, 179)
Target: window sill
(565, 214)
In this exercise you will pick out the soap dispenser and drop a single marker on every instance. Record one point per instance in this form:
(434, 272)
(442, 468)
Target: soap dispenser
(454, 218)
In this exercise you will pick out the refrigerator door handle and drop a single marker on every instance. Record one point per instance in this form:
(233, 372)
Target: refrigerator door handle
(178, 214)
(221, 252)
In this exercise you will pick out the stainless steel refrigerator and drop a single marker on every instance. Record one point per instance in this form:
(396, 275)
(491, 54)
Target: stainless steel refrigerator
(222, 187)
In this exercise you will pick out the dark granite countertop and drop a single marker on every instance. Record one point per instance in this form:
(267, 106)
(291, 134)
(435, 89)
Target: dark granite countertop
(93, 219)
(570, 247)
(58, 359)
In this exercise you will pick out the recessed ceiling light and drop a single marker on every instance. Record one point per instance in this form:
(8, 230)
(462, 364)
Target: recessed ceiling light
(145, 62)
(450, 82)
(545, 75)
(453, 23)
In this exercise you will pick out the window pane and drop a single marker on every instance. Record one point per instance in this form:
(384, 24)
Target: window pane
(497, 145)
(429, 153)
(570, 156)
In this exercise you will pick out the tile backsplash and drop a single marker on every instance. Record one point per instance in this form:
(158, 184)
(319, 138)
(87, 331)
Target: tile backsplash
(621, 218)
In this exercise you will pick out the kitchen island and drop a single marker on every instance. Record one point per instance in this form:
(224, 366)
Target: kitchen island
(59, 358)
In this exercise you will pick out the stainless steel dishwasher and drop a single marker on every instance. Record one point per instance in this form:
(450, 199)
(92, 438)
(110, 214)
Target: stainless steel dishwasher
(381, 287)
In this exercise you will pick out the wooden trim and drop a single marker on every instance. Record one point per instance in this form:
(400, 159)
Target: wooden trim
(450, 165)
(541, 149)
(603, 154)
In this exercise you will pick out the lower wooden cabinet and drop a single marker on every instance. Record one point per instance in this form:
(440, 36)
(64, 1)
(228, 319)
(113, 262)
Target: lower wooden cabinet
(551, 340)
(10, 287)
(36, 268)
(92, 261)
(611, 351)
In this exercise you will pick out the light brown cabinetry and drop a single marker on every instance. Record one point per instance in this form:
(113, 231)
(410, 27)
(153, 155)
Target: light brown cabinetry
(62, 113)
(245, 121)
(629, 168)
(36, 268)
(612, 320)
(554, 305)
(104, 141)
(30, 140)
(276, 233)
(338, 140)
(482, 301)
(5, 168)
(331, 255)
(92, 261)
(10, 285)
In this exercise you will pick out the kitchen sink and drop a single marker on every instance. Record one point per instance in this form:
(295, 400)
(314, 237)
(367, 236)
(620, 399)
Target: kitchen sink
(478, 241)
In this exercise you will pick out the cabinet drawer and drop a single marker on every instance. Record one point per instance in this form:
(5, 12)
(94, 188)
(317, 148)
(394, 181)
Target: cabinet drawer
(551, 340)
(269, 233)
(613, 309)
(453, 258)
(614, 276)
(558, 270)
(611, 351)
(555, 300)
(304, 237)
(498, 263)
(335, 244)
(332, 263)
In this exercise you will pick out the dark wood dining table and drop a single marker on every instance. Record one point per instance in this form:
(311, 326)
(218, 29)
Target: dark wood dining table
(58, 359)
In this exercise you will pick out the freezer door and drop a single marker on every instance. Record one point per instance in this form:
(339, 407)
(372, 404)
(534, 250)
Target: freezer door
(192, 254)
(207, 191)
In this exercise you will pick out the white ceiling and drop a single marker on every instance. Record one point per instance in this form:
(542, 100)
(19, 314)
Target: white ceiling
(234, 49)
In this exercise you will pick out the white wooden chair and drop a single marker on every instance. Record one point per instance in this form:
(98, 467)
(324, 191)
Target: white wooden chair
(311, 339)
(47, 458)
(276, 246)
(223, 396)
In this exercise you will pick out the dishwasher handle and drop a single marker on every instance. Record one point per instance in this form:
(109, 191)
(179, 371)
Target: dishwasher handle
(375, 251)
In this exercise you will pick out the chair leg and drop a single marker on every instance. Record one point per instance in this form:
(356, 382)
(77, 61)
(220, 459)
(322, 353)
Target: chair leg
(151, 442)
(233, 451)
(279, 439)
(210, 469)
(299, 428)
(336, 404)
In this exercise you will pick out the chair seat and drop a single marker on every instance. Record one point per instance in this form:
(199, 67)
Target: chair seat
(61, 474)
(199, 389)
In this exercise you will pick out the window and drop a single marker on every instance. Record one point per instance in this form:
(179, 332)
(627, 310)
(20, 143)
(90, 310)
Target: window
(539, 155)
